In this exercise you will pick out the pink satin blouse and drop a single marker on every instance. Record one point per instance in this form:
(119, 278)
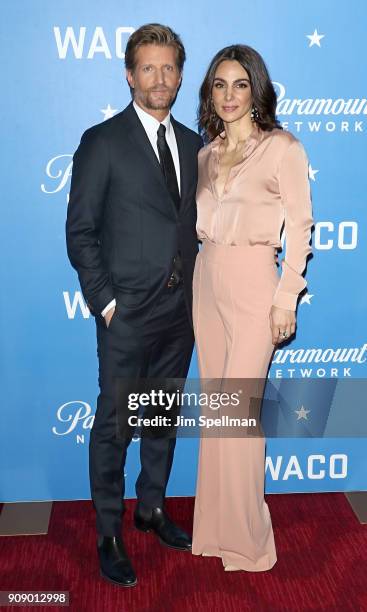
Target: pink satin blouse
(267, 188)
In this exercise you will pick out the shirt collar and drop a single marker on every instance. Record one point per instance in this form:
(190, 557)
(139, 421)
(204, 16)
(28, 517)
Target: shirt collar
(150, 123)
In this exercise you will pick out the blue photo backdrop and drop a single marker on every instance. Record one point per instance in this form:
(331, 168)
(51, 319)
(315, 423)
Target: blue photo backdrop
(63, 71)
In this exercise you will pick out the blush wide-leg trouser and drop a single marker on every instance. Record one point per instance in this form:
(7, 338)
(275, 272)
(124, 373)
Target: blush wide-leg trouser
(233, 291)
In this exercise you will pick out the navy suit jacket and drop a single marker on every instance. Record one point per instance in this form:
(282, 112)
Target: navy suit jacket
(123, 229)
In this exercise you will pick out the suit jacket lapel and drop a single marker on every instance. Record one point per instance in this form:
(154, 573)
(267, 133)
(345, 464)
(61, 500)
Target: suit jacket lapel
(183, 157)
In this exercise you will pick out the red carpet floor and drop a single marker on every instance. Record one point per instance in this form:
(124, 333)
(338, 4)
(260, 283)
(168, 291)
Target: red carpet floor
(322, 563)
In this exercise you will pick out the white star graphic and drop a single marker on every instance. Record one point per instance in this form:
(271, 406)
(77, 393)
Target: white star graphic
(108, 112)
(306, 299)
(302, 413)
(315, 38)
(312, 172)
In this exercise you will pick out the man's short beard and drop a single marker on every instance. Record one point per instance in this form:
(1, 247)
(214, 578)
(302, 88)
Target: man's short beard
(153, 105)
(157, 105)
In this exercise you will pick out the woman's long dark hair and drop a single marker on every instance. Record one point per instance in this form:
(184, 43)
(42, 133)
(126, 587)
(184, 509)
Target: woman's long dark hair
(263, 93)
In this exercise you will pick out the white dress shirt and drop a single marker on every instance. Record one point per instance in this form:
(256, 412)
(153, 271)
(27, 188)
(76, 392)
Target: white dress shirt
(151, 125)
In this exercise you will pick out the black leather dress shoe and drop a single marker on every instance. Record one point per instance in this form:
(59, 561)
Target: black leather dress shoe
(114, 563)
(168, 533)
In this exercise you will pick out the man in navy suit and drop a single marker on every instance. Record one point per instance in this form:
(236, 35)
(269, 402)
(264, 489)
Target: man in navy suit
(131, 237)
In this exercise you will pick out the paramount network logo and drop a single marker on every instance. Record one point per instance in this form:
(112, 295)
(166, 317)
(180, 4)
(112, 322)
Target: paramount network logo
(317, 362)
(325, 107)
(58, 170)
(72, 416)
(318, 106)
(75, 417)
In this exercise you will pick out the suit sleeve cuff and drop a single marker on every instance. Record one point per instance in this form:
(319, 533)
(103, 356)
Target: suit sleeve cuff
(110, 305)
(98, 301)
(285, 300)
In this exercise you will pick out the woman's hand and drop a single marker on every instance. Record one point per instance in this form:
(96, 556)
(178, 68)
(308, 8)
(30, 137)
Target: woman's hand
(282, 322)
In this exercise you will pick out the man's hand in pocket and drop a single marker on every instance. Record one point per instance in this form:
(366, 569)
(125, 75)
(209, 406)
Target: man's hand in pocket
(108, 316)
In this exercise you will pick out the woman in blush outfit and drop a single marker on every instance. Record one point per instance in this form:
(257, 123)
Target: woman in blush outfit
(253, 177)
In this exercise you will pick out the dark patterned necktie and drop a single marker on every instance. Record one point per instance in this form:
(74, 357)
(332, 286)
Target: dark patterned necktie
(167, 165)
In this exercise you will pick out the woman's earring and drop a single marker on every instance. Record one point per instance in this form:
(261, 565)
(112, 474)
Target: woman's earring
(254, 114)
